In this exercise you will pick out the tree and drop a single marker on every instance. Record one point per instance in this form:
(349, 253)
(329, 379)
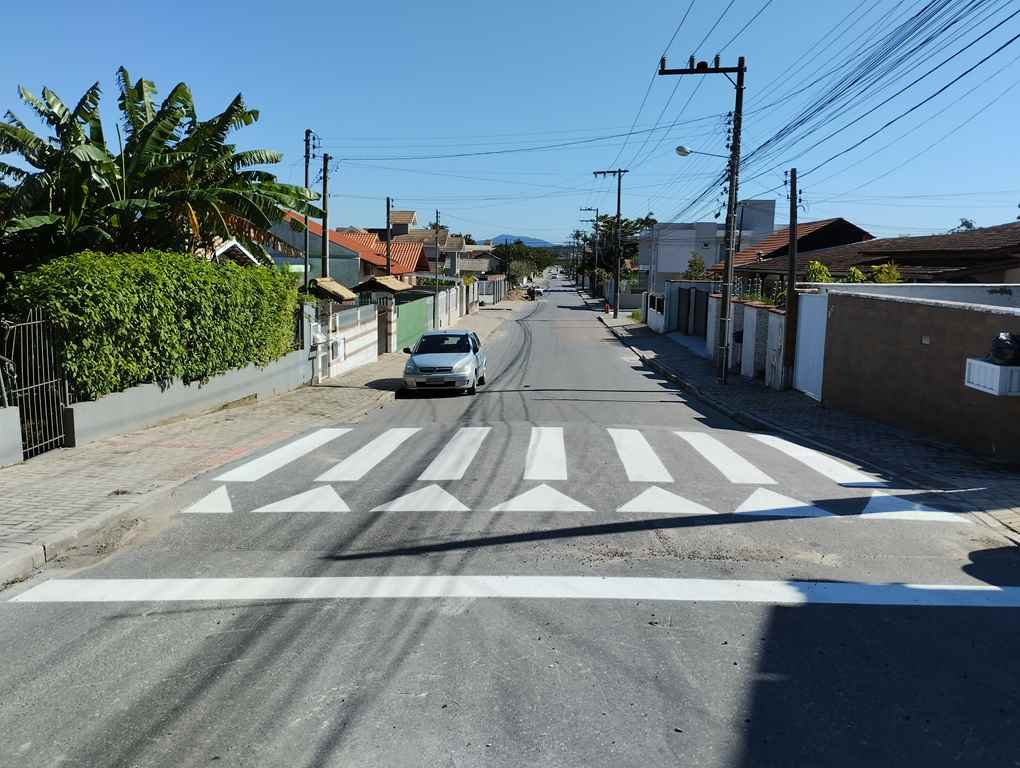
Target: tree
(886, 273)
(176, 183)
(629, 229)
(818, 273)
(695, 267)
(965, 225)
(855, 275)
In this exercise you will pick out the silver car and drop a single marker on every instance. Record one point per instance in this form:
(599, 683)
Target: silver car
(445, 359)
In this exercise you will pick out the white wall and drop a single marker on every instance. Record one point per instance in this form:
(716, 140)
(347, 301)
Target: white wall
(350, 341)
(992, 294)
(812, 315)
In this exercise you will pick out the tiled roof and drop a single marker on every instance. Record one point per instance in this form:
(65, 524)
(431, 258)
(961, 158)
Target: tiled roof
(368, 246)
(922, 255)
(454, 243)
(381, 283)
(777, 241)
(402, 217)
(366, 239)
(423, 235)
(406, 257)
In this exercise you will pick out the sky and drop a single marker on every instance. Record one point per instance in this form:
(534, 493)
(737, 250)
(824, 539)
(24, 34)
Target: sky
(387, 87)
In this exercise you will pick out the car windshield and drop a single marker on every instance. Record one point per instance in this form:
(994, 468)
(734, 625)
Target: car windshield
(439, 343)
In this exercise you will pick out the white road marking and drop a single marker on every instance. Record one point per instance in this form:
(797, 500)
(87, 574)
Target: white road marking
(639, 460)
(547, 456)
(215, 503)
(771, 504)
(883, 506)
(363, 460)
(655, 501)
(263, 465)
(520, 587)
(321, 499)
(836, 471)
(541, 499)
(431, 498)
(457, 455)
(732, 465)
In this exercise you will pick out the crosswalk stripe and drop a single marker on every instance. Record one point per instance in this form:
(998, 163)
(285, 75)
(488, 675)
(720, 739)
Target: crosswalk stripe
(263, 465)
(363, 460)
(659, 501)
(320, 499)
(547, 456)
(732, 465)
(543, 587)
(431, 498)
(457, 455)
(768, 503)
(541, 498)
(639, 460)
(836, 471)
(882, 506)
(215, 503)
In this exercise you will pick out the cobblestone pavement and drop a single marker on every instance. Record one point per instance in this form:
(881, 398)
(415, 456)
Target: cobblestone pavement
(48, 499)
(972, 483)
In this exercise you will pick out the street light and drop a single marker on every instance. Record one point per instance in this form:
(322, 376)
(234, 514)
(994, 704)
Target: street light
(684, 151)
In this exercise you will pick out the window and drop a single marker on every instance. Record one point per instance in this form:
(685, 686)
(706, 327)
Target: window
(439, 343)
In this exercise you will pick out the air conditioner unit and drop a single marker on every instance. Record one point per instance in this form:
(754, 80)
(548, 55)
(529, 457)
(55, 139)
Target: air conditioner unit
(1002, 380)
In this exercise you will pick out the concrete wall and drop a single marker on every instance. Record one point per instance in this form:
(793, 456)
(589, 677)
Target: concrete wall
(149, 404)
(10, 436)
(353, 339)
(810, 358)
(756, 326)
(902, 361)
(996, 295)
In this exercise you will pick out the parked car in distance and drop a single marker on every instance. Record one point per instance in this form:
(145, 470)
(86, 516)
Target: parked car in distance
(445, 359)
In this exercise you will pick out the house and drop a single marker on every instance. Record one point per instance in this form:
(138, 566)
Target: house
(344, 261)
(451, 247)
(401, 222)
(983, 255)
(811, 235)
(666, 249)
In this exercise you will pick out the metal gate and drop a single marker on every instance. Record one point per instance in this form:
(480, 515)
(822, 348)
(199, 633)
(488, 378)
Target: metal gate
(700, 314)
(37, 383)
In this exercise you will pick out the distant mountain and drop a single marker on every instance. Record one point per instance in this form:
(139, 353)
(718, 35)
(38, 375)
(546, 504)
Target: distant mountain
(533, 242)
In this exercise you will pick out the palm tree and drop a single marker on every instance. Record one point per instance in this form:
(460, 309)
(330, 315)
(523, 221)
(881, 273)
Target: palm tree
(175, 183)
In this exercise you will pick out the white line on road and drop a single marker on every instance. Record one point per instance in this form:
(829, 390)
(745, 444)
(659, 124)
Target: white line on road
(258, 468)
(639, 460)
(836, 471)
(733, 466)
(363, 460)
(547, 456)
(521, 587)
(457, 455)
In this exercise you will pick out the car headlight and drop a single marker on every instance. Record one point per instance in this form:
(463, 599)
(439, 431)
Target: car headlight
(462, 366)
(410, 367)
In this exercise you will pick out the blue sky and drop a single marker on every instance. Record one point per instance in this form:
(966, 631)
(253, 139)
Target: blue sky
(386, 82)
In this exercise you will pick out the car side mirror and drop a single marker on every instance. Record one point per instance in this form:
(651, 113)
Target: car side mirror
(407, 350)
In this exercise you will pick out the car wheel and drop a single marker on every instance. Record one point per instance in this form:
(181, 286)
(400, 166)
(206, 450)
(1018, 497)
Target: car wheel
(473, 388)
(481, 379)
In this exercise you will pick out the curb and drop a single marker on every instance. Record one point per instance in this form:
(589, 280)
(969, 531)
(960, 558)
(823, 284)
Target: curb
(756, 422)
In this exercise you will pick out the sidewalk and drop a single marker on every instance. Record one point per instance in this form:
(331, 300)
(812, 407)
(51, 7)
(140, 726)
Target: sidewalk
(54, 500)
(972, 483)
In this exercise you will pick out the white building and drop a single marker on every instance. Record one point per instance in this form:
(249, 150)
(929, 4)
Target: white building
(665, 250)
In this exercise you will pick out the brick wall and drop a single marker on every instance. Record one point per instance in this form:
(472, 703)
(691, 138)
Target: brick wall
(902, 362)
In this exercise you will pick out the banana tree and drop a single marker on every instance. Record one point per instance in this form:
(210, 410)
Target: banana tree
(175, 182)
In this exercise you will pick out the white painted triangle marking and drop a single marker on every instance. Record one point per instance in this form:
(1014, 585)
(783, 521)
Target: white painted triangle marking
(884, 506)
(431, 498)
(321, 499)
(655, 501)
(542, 498)
(215, 503)
(771, 504)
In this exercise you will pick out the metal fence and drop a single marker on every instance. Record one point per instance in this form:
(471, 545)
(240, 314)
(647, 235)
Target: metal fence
(35, 381)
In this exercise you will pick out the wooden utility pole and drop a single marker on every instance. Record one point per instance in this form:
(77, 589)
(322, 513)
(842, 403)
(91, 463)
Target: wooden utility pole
(435, 288)
(308, 160)
(325, 214)
(389, 236)
(702, 68)
(618, 173)
(790, 329)
(595, 243)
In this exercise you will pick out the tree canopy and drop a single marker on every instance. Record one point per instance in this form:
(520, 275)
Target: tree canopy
(175, 182)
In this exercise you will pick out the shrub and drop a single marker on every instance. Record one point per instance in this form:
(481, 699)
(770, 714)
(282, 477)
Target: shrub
(855, 275)
(818, 273)
(695, 267)
(136, 318)
(886, 273)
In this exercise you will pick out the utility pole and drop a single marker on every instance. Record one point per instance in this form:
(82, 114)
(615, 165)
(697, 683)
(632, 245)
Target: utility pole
(308, 160)
(790, 329)
(702, 68)
(595, 243)
(389, 235)
(618, 173)
(435, 287)
(325, 214)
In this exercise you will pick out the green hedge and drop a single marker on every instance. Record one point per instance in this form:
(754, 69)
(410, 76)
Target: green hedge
(135, 318)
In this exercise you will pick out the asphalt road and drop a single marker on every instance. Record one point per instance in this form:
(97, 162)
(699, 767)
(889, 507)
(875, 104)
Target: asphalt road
(639, 618)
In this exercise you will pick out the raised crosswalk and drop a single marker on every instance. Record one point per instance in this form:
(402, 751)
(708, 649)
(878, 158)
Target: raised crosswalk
(623, 456)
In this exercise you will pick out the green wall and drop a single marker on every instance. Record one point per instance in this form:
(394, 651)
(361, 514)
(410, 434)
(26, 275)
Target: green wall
(412, 322)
